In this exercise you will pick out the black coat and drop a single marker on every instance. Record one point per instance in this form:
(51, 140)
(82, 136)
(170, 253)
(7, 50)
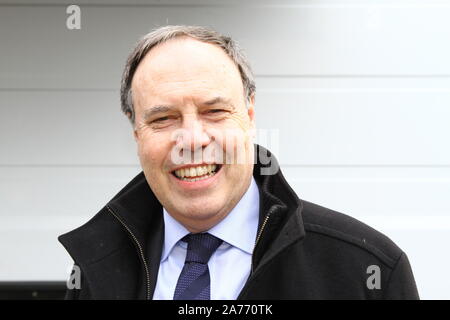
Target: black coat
(304, 251)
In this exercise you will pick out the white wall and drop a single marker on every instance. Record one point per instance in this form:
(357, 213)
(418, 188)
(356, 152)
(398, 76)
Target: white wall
(359, 91)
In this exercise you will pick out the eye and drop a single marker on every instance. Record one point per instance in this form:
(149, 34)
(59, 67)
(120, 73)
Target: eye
(216, 110)
(161, 119)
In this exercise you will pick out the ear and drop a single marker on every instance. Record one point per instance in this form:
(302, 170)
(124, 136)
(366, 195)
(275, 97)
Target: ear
(251, 109)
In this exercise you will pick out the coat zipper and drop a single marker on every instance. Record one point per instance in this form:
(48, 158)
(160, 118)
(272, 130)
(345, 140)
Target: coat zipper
(141, 252)
(266, 218)
(252, 269)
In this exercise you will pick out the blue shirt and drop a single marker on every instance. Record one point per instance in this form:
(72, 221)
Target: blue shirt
(230, 264)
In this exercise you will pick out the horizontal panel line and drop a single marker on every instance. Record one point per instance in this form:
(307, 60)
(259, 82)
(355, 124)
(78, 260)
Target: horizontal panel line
(353, 76)
(281, 165)
(366, 165)
(60, 89)
(239, 5)
(121, 5)
(355, 90)
(69, 166)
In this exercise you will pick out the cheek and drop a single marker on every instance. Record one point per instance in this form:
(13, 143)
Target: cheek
(152, 151)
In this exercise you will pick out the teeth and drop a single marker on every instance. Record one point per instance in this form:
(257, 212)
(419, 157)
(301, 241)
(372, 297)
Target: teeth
(199, 172)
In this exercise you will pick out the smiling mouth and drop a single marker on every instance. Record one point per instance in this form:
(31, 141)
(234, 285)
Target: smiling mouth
(197, 173)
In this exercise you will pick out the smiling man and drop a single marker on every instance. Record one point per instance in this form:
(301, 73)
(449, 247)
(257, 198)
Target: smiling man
(209, 217)
(188, 93)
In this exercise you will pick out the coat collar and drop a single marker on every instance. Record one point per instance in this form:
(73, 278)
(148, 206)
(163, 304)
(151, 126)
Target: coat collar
(136, 210)
(280, 205)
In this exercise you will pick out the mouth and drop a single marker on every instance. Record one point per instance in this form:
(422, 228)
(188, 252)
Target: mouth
(197, 173)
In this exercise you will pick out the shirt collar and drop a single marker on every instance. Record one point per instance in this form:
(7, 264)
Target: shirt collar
(238, 228)
(173, 232)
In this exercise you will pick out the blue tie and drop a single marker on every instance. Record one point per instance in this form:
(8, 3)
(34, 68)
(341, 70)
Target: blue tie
(194, 282)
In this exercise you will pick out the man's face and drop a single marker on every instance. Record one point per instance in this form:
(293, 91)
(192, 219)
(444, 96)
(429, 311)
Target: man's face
(188, 98)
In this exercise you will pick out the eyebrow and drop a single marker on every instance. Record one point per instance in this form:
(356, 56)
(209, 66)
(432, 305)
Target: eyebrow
(165, 108)
(155, 110)
(218, 100)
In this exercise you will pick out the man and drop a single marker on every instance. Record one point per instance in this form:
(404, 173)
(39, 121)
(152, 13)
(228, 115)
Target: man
(210, 217)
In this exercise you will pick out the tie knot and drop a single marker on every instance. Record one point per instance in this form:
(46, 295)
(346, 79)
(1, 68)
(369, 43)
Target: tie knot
(201, 246)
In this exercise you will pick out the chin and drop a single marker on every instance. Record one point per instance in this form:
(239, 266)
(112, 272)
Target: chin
(203, 210)
(199, 211)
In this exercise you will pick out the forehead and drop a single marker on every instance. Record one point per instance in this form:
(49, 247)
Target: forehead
(186, 64)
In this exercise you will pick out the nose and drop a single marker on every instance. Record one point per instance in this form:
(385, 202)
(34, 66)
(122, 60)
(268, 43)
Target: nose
(193, 136)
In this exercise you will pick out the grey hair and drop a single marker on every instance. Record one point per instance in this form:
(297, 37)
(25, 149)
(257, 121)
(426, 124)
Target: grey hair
(163, 34)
